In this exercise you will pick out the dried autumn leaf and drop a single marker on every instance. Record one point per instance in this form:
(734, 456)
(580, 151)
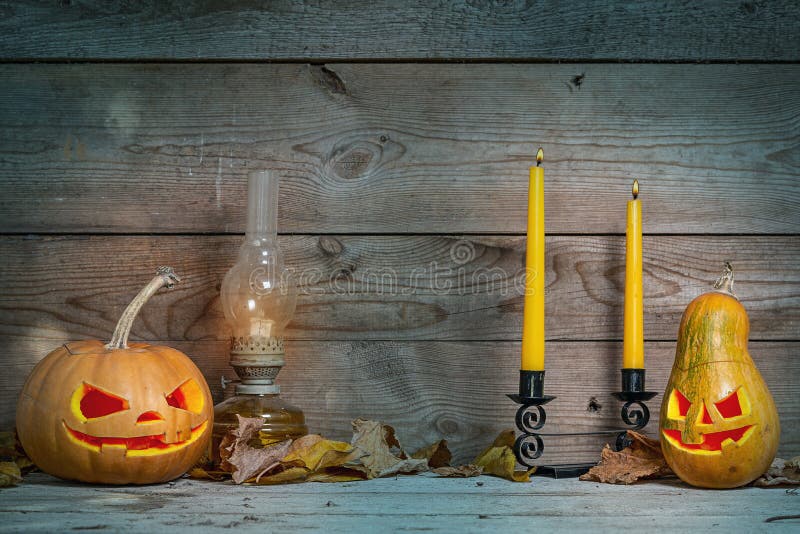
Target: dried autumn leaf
(246, 430)
(336, 474)
(462, 471)
(643, 459)
(10, 474)
(498, 459)
(384, 455)
(251, 462)
(781, 472)
(313, 458)
(283, 476)
(247, 461)
(317, 453)
(11, 451)
(437, 454)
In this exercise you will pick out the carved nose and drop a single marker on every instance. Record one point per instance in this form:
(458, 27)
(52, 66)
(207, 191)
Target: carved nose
(149, 417)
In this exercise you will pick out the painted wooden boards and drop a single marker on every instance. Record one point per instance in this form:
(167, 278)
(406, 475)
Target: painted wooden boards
(399, 148)
(544, 30)
(422, 502)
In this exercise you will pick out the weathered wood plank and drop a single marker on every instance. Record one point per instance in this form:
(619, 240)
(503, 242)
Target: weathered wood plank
(453, 390)
(721, 30)
(403, 148)
(392, 287)
(420, 502)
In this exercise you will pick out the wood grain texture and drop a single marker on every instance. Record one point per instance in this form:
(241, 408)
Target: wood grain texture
(394, 504)
(402, 148)
(454, 390)
(392, 287)
(354, 29)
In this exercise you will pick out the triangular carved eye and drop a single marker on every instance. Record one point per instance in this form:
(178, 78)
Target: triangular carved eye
(678, 405)
(188, 396)
(91, 402)
(729, 406)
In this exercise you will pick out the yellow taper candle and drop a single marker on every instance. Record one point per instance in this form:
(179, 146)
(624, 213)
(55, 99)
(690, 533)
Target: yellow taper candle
(533, 314)
(633, 344)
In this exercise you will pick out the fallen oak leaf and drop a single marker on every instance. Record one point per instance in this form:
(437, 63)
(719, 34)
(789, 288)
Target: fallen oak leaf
(384, 455)
(462, 471)
(437, 454)
(642, 459)
(498, 459)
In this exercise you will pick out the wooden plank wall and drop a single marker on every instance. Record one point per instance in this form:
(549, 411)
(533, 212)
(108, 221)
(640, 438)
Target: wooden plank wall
(402, 136)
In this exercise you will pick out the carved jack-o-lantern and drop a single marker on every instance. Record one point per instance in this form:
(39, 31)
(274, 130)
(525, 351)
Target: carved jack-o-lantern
(719, 425)
(115, 413)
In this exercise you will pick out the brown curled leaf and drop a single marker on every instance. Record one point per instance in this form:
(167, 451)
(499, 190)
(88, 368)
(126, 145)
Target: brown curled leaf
(643, 459)
(383, 455)
(437, 454)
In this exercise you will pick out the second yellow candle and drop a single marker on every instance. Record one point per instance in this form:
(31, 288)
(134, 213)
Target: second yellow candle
(633, 343)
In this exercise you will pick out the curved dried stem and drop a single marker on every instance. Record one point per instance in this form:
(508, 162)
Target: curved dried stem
(165, 277)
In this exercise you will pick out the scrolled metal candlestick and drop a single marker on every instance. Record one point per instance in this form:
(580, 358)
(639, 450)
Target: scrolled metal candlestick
(634, 412)
(531, 417)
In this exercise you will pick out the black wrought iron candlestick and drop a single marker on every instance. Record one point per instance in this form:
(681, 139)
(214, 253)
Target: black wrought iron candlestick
(531, 417)
(634, 412)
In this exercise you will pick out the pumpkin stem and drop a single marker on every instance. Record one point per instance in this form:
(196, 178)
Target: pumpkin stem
(165, 277)
(725, 282)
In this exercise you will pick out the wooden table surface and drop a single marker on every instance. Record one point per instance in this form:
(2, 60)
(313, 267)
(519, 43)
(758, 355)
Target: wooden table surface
(423, 502)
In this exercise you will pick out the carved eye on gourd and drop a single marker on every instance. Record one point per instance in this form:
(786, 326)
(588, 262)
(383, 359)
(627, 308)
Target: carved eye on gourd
(91, 402)
(731, 406)
(678, 405)
(188, 396)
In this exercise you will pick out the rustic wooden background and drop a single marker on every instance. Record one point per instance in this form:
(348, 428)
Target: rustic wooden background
(402, 133)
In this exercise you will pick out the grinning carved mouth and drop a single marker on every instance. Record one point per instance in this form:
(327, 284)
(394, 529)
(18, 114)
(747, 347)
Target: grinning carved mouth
(138, 446)
(712, 442)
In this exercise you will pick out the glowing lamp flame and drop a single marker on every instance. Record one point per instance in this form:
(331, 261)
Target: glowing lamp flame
(635, 189)
(539, 156)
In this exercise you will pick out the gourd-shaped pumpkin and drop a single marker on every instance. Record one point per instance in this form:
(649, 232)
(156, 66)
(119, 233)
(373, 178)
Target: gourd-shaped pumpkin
(719, 426)
(113, 413)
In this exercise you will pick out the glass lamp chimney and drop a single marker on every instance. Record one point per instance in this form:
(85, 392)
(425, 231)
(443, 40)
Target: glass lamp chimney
(258, 298)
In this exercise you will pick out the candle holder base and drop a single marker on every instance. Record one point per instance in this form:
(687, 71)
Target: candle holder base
(635, 412)
(531, 417)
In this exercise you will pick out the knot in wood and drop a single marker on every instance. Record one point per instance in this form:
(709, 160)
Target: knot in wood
(330, 245)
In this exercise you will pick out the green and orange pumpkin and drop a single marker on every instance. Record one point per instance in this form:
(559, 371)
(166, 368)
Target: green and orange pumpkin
(719, 427)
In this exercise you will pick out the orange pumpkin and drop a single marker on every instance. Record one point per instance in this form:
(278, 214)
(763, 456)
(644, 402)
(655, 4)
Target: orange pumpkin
(113, 413)
(719, 427)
